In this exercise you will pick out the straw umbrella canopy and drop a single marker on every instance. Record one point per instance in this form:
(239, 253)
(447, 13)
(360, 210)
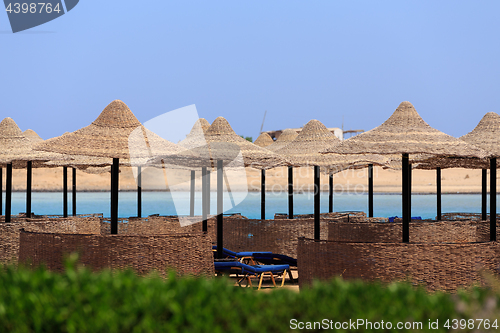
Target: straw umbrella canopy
(405, 132)
(17, 147)
(116, 134)
(482, 136)
(222, 143)
(32, 135)
(486, 136)
(264, 140)
(287, 136)
(195, 139)
(304, 151)
(16, 152)
(225, 147)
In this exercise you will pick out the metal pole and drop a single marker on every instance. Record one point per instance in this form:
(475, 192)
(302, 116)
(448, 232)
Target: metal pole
(370, 190)
(405, 192)
(29, 168)
(262, 194)
(1, 191)
(220, 197)
(204, 198)
(65, 191)
(290, 192)
(493, 199)
(438, 193)
(208, 190)
(316, 203)
(191, 194)
(483, 194)
(139, 192)
(409, 190)
(114, 198)
(73, 201)
(330, 193)
(8, 193)
(112, 192)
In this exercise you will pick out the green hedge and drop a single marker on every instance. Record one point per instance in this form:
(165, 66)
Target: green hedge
(81, 301)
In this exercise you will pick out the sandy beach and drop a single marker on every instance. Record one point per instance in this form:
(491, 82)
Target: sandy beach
(385, 181)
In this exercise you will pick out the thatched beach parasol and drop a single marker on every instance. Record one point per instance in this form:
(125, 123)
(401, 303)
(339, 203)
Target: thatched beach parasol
(32, 135)
(304, 151)
(116, 134)
(486, 136)
(16, 152)
(405, 132)
(285, 138)
(264, 140)
(196, 139)
(225, 147)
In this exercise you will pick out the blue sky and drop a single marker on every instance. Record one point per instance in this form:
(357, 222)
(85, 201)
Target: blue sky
(299, 60)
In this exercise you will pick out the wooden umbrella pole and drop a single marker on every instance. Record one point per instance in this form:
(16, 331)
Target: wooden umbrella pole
(484, 189)
(220, 208)
(290, 192)
(139, 192)
(73, 201)
(191, 194)
(409, 190)
(1, 191)
(316, 203)
(405, 185)
(208, 190)
(114, 196)
(65, 191)
(29, 173)
(493, 199)
(370, 190)
(262, 194)
(330, 193)
(438, 193)
(8, 193)
(204, 198)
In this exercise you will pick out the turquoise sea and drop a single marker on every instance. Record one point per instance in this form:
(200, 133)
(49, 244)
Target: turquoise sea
(177, 203)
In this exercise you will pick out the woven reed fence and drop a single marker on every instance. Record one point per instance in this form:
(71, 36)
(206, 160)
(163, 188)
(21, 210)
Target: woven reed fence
(9, 232)
(278, 236)
(22, 217)
(461, 216)
(158, 225)
(279, 216)
(435, 266)
(189, 254)
(420, 232)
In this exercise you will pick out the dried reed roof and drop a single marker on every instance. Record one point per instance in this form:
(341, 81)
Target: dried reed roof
(16, 148)
(285, 138)
(486, 135)
(314, 137)
(406, 132)
(196, 137)
(264, 140)
(30, 134)
(224, 144)
(116, 133)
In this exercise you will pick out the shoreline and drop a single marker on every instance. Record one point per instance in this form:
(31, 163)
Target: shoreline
(252, 191)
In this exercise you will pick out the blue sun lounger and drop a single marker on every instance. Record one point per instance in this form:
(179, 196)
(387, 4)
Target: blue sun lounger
(265, 257)
(232, 254)
(236, 267)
